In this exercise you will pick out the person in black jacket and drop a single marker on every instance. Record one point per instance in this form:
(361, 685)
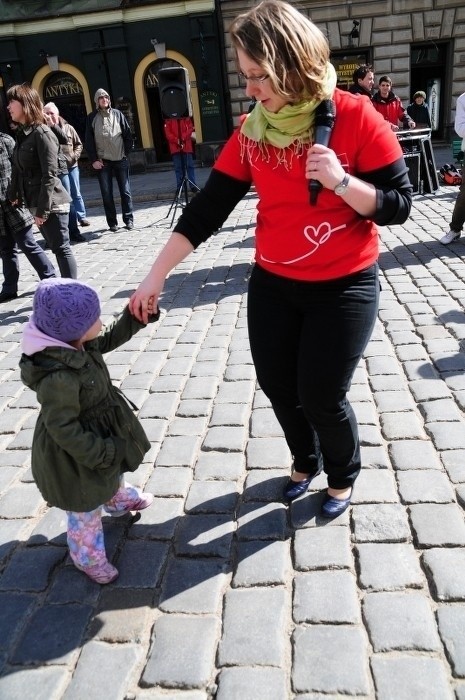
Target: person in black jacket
(34, 182)
(418, 110)
(363, 81)
(108, 141)
(16, 231)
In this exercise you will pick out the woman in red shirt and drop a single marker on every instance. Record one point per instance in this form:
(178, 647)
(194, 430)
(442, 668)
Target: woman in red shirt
(313, 292)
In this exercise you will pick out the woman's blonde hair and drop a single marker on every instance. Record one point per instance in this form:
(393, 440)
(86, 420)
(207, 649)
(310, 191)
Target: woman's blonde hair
(289, 48)
(30, 101)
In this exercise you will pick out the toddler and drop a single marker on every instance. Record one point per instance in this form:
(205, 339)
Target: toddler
(86, 435)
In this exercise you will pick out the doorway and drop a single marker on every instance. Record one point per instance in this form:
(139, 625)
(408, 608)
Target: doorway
(428, 72)
(154, 107)
(66, 92)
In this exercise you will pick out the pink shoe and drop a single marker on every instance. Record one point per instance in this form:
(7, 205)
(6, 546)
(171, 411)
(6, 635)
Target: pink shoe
(100, 573)
(144, 501)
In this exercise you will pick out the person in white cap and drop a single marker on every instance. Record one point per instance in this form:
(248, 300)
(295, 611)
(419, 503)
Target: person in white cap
(108, 141)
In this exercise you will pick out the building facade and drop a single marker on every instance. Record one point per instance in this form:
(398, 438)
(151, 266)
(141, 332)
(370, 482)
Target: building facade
(69, 49)
(420, 44)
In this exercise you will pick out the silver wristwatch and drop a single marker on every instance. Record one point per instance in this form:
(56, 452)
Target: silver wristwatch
(341, 188)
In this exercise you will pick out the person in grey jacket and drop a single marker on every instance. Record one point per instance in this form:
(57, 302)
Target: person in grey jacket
(57, 125)
(108, 141)
(34, 180)
(16, 231)
(86, 435)
(72, 152)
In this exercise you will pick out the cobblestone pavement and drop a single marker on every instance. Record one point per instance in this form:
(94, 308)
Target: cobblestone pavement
(223, 591)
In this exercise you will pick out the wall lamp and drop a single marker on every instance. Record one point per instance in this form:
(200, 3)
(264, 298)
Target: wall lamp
(159, 48)
(51, 60)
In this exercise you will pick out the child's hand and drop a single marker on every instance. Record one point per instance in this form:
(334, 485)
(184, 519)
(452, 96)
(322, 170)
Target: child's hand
(152, 310)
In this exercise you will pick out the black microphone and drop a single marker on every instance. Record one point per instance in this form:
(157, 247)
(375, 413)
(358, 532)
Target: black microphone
(325, 115)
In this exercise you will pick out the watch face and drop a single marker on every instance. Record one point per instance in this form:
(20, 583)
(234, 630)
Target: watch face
(341, 188)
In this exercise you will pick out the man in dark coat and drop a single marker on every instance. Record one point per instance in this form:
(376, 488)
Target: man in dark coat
(419, 112)
(363, 81)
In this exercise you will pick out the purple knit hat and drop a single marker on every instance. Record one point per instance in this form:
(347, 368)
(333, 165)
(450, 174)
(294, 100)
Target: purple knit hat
(65, 309)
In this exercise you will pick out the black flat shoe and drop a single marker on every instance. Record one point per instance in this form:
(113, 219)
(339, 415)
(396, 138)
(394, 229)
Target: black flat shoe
(77, 237)
(294, 489)
(7, 296)
(332, 507)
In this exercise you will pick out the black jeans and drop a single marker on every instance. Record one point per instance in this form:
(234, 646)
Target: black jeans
(306, 340)
(55, 231)
(26, 242)
(458, 215)
(120, 169)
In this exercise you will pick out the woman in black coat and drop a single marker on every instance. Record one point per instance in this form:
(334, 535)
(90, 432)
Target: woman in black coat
(34, 181)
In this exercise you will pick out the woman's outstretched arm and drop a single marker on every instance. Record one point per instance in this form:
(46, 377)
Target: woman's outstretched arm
(175, 250)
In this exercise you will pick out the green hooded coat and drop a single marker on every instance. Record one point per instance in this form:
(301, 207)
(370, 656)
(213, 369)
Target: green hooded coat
(86, 433)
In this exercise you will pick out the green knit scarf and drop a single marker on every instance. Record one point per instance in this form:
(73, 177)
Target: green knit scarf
(293, 124)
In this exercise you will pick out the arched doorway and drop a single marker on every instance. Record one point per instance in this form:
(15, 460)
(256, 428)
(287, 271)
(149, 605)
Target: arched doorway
(148, 103)
(429, 71)
(67, 93)
(154, 108)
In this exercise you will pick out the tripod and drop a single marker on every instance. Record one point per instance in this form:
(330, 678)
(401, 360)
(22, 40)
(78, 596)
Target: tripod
(181, 192)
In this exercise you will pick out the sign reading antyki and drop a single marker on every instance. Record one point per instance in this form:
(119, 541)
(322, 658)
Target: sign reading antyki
(61, 88)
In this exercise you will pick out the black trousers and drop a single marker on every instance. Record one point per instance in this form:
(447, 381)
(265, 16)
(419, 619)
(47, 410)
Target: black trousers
(26, 242)
(306, 340)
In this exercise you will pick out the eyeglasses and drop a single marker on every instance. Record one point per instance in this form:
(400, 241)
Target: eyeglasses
(255, 80)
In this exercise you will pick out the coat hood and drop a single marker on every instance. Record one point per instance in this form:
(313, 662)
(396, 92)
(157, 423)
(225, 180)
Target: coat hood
(34, 340)
(43, 355)
(101, 93)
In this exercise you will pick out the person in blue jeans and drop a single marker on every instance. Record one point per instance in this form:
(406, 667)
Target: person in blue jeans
(72, 151)
(53, 121)
(34, 178)
(108, 141)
